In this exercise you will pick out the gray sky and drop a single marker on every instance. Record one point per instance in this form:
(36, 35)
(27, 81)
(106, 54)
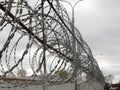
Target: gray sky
(98, 22)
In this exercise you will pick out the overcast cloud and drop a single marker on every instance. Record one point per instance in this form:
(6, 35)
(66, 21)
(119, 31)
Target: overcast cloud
(98, 22)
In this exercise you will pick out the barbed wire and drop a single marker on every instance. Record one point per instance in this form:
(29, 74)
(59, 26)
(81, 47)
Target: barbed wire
(34, 40)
